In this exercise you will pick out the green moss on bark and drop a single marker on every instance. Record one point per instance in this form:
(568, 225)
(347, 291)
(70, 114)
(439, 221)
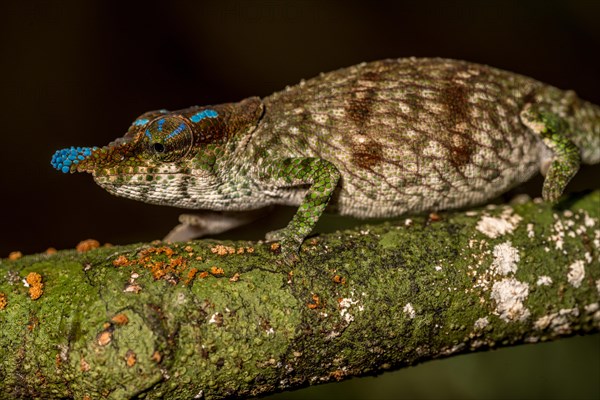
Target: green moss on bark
(222, 319)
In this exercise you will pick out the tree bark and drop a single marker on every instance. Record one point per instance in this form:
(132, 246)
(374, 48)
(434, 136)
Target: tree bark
(211, 319)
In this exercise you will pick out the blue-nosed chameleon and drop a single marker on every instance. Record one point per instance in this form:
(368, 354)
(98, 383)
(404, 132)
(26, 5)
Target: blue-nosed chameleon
(378, 139)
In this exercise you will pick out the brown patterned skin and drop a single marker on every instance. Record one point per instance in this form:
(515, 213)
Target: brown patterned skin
(378, 139)
(414, 135)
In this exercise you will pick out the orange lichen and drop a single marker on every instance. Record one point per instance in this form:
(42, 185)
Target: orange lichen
(50, 250)
(316, 302)
(158, 270)
(434, 217)
(190, 276)
(156, 357)
(222, 250)
(120, 319)
(3, 301)
(339, 279)
(177, 263)
(104, 338)
(130, 358)
(275, 246)
(36, 287)
(121, 261)
(33, 323)
(338, 374)
(84, 366)
(15, 255)
(216, 270)
(171, 264)
(249, 249)
(87, 245)
(166, 250)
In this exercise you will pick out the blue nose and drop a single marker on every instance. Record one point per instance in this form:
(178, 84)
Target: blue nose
(63, 159)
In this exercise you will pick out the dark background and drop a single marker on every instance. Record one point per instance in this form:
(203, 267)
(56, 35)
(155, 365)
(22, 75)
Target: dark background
(77, 73)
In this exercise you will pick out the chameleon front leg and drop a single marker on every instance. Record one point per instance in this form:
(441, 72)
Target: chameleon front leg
(210, 223)
(322, 176)
(566, 158)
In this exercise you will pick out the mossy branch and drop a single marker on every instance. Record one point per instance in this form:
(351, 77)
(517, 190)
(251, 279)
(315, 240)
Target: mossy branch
(212, 319)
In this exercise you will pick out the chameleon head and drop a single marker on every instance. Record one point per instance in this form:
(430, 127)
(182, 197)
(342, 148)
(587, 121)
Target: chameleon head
(171, 158)
(153, 162)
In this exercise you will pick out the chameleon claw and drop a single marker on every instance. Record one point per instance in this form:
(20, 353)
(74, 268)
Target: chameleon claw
(287, 247)
(288, 259)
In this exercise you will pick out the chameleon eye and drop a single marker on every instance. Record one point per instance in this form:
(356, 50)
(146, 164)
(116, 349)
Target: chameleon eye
(158, 148)
(170, 138)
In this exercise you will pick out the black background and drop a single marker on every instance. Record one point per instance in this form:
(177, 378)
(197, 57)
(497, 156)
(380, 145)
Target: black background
(77, 74)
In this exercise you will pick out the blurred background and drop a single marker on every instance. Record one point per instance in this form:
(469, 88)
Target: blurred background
(77, 73)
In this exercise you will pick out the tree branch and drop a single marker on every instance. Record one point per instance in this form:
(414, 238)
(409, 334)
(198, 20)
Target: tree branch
(217, 319)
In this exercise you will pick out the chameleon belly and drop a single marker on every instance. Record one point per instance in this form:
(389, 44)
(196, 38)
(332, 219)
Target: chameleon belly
(407, 135)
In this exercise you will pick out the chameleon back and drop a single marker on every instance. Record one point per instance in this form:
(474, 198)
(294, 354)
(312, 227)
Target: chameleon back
(408, 135)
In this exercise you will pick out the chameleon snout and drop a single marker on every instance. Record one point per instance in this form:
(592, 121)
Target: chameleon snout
(66, 160)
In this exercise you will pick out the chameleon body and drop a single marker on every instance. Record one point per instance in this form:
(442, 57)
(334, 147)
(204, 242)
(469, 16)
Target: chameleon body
(378, 139)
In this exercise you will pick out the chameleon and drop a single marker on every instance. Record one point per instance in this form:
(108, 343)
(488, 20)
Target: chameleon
(375, 140)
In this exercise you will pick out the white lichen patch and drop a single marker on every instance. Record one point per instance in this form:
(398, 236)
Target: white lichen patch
(576, 273)
(506, 258)
(560, 322)
(481, 323)
(344, 305)
(570, 225)
(409, 310)
(446, 351)
(588, 221)
(494, 227)
(530, 231)
(320, 118)
(509, 295)
(544, 280)
(558, 234)
(216, 318)
(592, 308)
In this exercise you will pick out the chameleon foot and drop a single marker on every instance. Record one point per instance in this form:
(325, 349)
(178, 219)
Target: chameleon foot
(564, 160)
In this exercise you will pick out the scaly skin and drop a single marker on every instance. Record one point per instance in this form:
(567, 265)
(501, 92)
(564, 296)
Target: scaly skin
(378, 139)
